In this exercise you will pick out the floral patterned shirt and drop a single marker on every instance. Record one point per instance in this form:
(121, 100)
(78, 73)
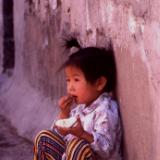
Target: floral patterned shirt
(101, 119)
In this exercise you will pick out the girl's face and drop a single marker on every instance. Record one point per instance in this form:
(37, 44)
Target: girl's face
(78, 87)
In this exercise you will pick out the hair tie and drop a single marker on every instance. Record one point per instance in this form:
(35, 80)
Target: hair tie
(73, 50)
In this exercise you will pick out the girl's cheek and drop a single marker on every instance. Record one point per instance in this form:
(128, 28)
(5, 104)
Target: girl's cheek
(67, 88)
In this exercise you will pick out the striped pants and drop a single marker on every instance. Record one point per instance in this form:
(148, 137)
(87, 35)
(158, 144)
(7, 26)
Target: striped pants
(49, 145)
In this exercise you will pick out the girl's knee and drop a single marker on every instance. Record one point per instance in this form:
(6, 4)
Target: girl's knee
(78, 149)
(41, 134)
(48, 143)
(76, 142)
(48, 136)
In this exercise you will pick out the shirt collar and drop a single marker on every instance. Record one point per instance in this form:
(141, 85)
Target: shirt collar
(94, 104)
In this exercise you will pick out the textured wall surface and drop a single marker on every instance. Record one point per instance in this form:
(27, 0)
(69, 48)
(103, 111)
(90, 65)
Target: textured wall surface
(133, 27)
(23, 99)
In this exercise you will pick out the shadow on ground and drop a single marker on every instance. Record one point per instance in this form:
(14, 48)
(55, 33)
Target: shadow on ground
(13, 146)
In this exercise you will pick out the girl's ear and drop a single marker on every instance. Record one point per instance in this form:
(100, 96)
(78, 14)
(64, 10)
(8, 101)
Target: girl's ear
(101, 83)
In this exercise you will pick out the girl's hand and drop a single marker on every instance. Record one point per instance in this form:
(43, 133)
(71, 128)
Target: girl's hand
(62, 131)
(65, 103)
(76, 130)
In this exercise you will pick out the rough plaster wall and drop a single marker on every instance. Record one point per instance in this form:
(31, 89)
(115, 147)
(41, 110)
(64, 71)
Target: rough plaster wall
(1, 36)
(133, 27)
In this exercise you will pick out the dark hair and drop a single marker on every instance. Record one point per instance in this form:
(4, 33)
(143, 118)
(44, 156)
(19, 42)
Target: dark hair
(94, 62)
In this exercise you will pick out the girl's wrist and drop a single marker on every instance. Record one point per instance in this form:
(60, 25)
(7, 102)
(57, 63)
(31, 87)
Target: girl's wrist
(59, 133)
(87, 136)
(63, 115)
(80, 135)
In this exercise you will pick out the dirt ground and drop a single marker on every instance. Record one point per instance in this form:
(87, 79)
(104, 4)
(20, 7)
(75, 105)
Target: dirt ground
(13, 146)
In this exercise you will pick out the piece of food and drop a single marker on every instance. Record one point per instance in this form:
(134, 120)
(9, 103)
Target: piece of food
(66, 123)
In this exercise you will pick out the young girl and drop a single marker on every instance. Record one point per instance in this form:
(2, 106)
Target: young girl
(90, 76)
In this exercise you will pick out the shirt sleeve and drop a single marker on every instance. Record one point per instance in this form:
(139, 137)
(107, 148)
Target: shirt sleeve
(105, 130)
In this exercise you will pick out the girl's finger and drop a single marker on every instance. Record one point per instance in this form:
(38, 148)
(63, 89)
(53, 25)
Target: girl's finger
(62, 100)
(67, 104)
(68, 101)
(65, 100)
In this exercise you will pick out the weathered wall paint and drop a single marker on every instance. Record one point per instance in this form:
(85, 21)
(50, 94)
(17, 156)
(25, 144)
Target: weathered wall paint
(133, 27)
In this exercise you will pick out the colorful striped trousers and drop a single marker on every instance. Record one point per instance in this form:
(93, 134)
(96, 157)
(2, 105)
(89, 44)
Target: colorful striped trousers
(49, 145)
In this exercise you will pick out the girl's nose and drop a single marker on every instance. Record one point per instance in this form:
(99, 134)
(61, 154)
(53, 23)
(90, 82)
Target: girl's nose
(70, 88)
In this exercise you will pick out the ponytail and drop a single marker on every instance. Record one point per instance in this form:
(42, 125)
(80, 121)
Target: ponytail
(72, 45)
(72, 42)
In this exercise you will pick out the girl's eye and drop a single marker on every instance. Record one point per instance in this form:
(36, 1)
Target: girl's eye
(76, 80)
(67, 80)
